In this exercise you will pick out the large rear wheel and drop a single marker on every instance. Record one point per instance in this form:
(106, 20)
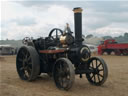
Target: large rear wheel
(27, 63)
(64, 74)
(98, 71)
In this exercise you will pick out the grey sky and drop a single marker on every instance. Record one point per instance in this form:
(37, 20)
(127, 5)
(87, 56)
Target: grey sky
(36, 18)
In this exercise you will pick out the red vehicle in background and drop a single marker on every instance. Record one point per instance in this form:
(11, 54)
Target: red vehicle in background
(111, 45)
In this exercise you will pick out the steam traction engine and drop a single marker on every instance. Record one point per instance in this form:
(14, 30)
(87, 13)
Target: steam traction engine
(61, 56)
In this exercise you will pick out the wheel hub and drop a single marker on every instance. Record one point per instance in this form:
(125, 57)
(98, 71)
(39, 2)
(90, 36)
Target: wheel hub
(96, 71)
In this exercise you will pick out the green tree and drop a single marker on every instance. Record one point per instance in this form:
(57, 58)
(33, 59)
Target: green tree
(89, 36)
(126, 34)
(107, 37)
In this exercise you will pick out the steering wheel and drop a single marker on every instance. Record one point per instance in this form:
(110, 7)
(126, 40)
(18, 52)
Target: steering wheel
(26, 40)
(56, 35)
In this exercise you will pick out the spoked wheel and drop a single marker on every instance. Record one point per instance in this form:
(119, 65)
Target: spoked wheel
(27, 63)
(98, 71)
(63, 74)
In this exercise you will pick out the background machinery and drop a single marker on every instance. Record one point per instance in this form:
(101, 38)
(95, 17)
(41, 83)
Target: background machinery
(61, 55)
(111, 45)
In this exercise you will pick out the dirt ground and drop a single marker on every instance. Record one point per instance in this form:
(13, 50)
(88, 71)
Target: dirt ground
(116, 84)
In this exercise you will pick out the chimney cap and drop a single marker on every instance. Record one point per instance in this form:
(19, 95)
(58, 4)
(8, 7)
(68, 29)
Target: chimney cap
(77, 10)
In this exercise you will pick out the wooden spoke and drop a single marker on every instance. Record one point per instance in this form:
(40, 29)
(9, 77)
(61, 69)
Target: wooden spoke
(99, 65)
(96, 62)
(98, 78)
(94, 78)
(101, 69)
(100, 75)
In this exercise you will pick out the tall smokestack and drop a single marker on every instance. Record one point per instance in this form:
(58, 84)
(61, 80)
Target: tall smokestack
(78, 25)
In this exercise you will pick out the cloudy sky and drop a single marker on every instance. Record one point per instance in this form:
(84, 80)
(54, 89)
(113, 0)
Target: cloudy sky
(35, 18)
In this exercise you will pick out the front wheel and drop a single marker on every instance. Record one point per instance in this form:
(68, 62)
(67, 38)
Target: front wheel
(98, 71)
(64, 74)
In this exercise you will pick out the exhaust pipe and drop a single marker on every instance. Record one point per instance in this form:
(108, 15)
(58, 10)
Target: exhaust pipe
(78, 25)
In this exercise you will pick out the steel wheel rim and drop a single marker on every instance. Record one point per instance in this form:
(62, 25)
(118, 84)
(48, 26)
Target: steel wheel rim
(24, 64)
